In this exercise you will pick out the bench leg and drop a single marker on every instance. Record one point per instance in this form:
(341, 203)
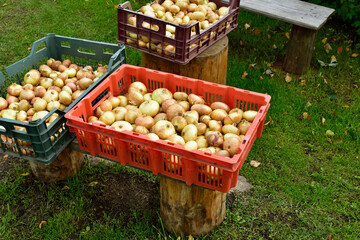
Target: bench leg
(300, 50)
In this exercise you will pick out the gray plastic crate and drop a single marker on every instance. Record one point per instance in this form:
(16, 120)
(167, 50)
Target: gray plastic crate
(40, 142)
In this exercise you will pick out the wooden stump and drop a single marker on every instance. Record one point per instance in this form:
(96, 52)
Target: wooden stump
(300, 49)
(68, 163)
(190, 209)
(210, 65)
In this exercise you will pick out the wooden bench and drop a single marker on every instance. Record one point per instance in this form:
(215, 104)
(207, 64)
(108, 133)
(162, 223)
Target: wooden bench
(307, 19)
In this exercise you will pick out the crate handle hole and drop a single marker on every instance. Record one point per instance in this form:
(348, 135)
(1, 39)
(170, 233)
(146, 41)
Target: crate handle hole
(86, 50)
(65, 44)
(108, 51)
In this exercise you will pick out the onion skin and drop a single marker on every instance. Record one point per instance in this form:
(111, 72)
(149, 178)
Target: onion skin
(3, 103)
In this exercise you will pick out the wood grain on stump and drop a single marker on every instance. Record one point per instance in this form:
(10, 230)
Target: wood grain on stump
(210, 65)
(190, 209)
(300, 49)
(68, 163)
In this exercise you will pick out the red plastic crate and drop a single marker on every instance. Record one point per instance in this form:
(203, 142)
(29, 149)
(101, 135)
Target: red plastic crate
(186, 47)
(163, 157)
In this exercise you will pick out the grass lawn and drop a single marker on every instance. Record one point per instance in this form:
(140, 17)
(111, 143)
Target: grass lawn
(306, 187)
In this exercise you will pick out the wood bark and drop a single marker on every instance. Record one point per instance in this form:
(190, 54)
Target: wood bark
(300, 49)
(190, 209)
(67, 164)
(210, 65)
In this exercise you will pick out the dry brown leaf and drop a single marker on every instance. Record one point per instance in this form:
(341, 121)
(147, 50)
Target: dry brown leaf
(93, 184)
(324, 40)
(327, 47)
(241, 43)
(25, 174)
(4, 157)
(324, 79)
(287, 35)
(254, 163)
(65, 188)
(261, 78)
(288, 78)
(339, 49)
(247, 26)
(243, 76)
(269, 122)
(256, 31)
(42, 223)
(302, 82)
(274, 46)
(305, 115)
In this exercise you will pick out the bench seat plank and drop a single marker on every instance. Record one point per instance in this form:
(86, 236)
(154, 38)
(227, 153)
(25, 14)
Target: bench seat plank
(296, 12)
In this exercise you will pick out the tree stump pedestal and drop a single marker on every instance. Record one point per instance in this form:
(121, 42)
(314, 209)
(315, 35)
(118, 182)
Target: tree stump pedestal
(210, 65)
(67, 164)
(192, 209)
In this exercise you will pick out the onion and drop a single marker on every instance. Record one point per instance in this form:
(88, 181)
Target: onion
(201, 127)
(176, 139)
(223, 153)
(14, 89)
(74, 66)
(215, 125)
(122, 126)
(205, 119)
(9, 114)
(219, 114)
(191, 145)
(179, 122)
(14, 106)
(244, 126)
(137, 86)
(31, 112)
(77, 94)
(150, 108)
(92, 119)
(56, 88)
(223, 11)
(65, 98)
(163, 129)
(53, 104)
(202, 109)
(192, 117)
(160, 116)
(195, 99)
(3, 103)
(51, 95)
(131, 115)
(45, 70)
(220, 105)
(115, 102)
(185, 105)
(67, 89)
(24, 105)
(232, 145)
(85, 82)
(249, 115)
(46, 82)
(108, 117)
(50, 61)
(215, 139)
(167, 103)
(66, 62)
(201, 142)
(39, 115)
(180, 96)
(167, 4)
(146, 121)
(161, 94)
(11, 99)
(123, 101)
(28, 87)
(174, 110)
(135, 98)
(174, 9)
(55, 65)
(141, 129)
(40, 105)
(62, 68)
(72, 86)
(32, 77)
(153, 136)
(119, 113)
(189, 132)
(27, 95)
(229, 128)
(106, 106)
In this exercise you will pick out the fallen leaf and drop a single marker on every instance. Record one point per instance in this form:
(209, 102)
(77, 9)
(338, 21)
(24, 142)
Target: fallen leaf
(252, 65)
(339, 49)
(243, 76)
(323, 121)
(5, 4)
(302, 83)
(324, 40)
(287, 35)
(324, 79)
(305, 115)
(261, 78)
(256, 31)
(269, 122)
(288, 78)
(347, 49)
(329, 133)
(346, 106)
(355, 55)
(333, 57)
(308, 104)
(25, 174)
(241, 43)
(317, 86)
(274, 46)
(327, 47)
(254, 163)
(4, 157)
(247, 26)
(41, 223)
(269, 71)
(65, 188)
(115, 6)
(93, 183)
(329, 140)
(106, 2)
(190, 237)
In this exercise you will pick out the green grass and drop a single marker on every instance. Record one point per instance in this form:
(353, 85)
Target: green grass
(307, 186)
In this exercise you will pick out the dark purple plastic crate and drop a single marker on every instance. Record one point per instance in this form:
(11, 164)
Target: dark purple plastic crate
(186, 46)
